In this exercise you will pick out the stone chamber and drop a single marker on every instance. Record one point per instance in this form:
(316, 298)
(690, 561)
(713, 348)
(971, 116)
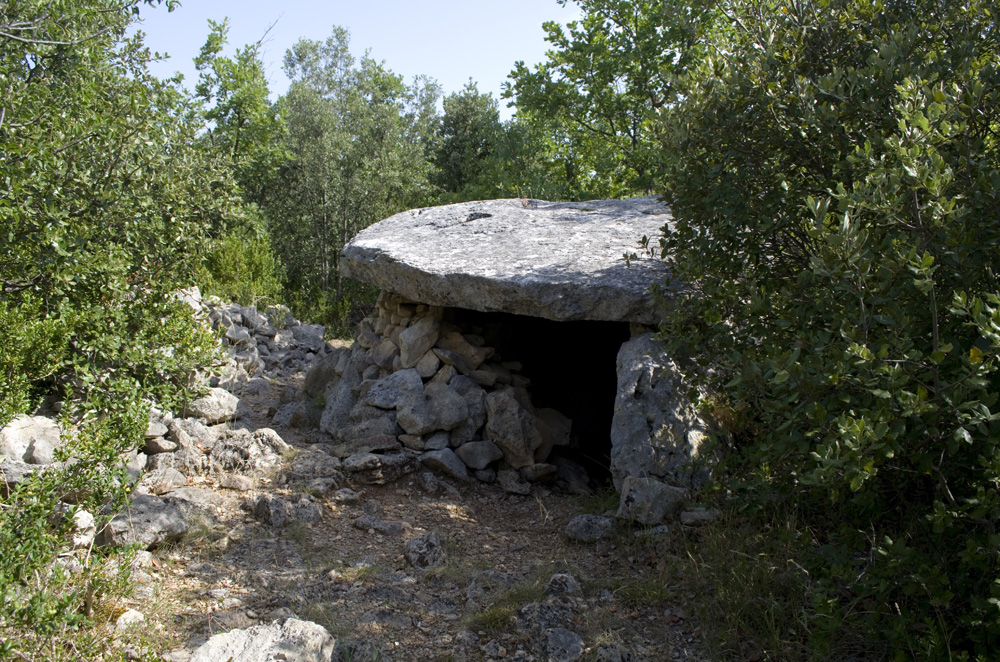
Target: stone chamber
(511, 342)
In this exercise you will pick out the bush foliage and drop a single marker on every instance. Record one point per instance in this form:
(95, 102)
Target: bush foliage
(108, 202)
(836, 209)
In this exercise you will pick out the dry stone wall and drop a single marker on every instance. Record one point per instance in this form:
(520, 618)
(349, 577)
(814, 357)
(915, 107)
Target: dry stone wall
(418, 385)
(415, 382)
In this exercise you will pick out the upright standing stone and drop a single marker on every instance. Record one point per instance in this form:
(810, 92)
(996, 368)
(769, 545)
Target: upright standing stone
(656, 430)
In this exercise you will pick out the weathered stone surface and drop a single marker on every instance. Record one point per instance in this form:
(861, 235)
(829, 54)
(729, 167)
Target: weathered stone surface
(346, 495)
(158, 445)
(511, 482)
(312, 463)
(447, 404)
(387, 392)
(200, 503)
(648, 501)
(129, 619)
(31, 439)
(309, 336)
(385, 354)
(486, 475)
(572, 476)
(428, 365)
(486, 378)
(437, 441)
(555, 428)
(236, 482)
(562, 583)
(472, 355)
(512, 427)
(147, 520)
(290, 641)
(561, 261)
(155, 429)
(189, 431)
(365, 421)
(537, 617)
(415, 416)
(588, 528)
(536, 473)
(437, 407)
(237, 335)
(271, 510)
(188, 460)
(446, 462)
(216, 406)
(412, 441)
(479, 454)
(380, 469)
(245, 451)
(377, 443)
(340, 396)
(562, 645)
(322, 372)
(655, 430)
(376, 525)
(699, 516)
(424, 551)
(445, 374)
(475, 400)
(164, 480)
(415, 340)
(453, 359)
(296, 415)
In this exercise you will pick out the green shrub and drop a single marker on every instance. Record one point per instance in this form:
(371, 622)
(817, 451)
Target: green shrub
(339, 317)
(34, 348)
(107, 203)
(242, 267)
(836, 208)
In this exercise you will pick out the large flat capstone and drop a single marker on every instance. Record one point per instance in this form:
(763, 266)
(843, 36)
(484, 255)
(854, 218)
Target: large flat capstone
(557, 260)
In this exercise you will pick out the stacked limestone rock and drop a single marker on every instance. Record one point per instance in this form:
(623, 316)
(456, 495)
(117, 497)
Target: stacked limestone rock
(206, 437)
(416, 385)
(272, 341)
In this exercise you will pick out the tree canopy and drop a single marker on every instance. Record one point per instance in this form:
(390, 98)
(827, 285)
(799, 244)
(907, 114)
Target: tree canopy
(605, 81)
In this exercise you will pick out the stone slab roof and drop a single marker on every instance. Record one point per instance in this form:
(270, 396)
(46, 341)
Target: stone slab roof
(560, 261)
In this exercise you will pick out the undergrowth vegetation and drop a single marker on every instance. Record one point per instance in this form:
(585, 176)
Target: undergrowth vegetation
(836, 215)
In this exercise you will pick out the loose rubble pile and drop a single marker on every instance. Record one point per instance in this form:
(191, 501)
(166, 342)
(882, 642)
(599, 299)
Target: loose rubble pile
(205, 438)
(417, 384)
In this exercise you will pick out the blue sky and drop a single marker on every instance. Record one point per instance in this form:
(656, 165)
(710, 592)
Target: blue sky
(448, 40)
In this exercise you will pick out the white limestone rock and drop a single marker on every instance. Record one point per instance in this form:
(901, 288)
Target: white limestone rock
(513, 427)
(216, 406)
(291, 641)
(415, 340)
(147, 520)
(656, 430)
(31, 439)
(446, 462)
(649, 501)
(560, 261)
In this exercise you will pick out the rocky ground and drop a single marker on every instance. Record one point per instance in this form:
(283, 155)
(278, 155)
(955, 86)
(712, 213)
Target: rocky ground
(255, 523)
(509, 584)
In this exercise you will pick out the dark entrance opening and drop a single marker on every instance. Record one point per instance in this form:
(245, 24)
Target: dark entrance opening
(571, 366)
